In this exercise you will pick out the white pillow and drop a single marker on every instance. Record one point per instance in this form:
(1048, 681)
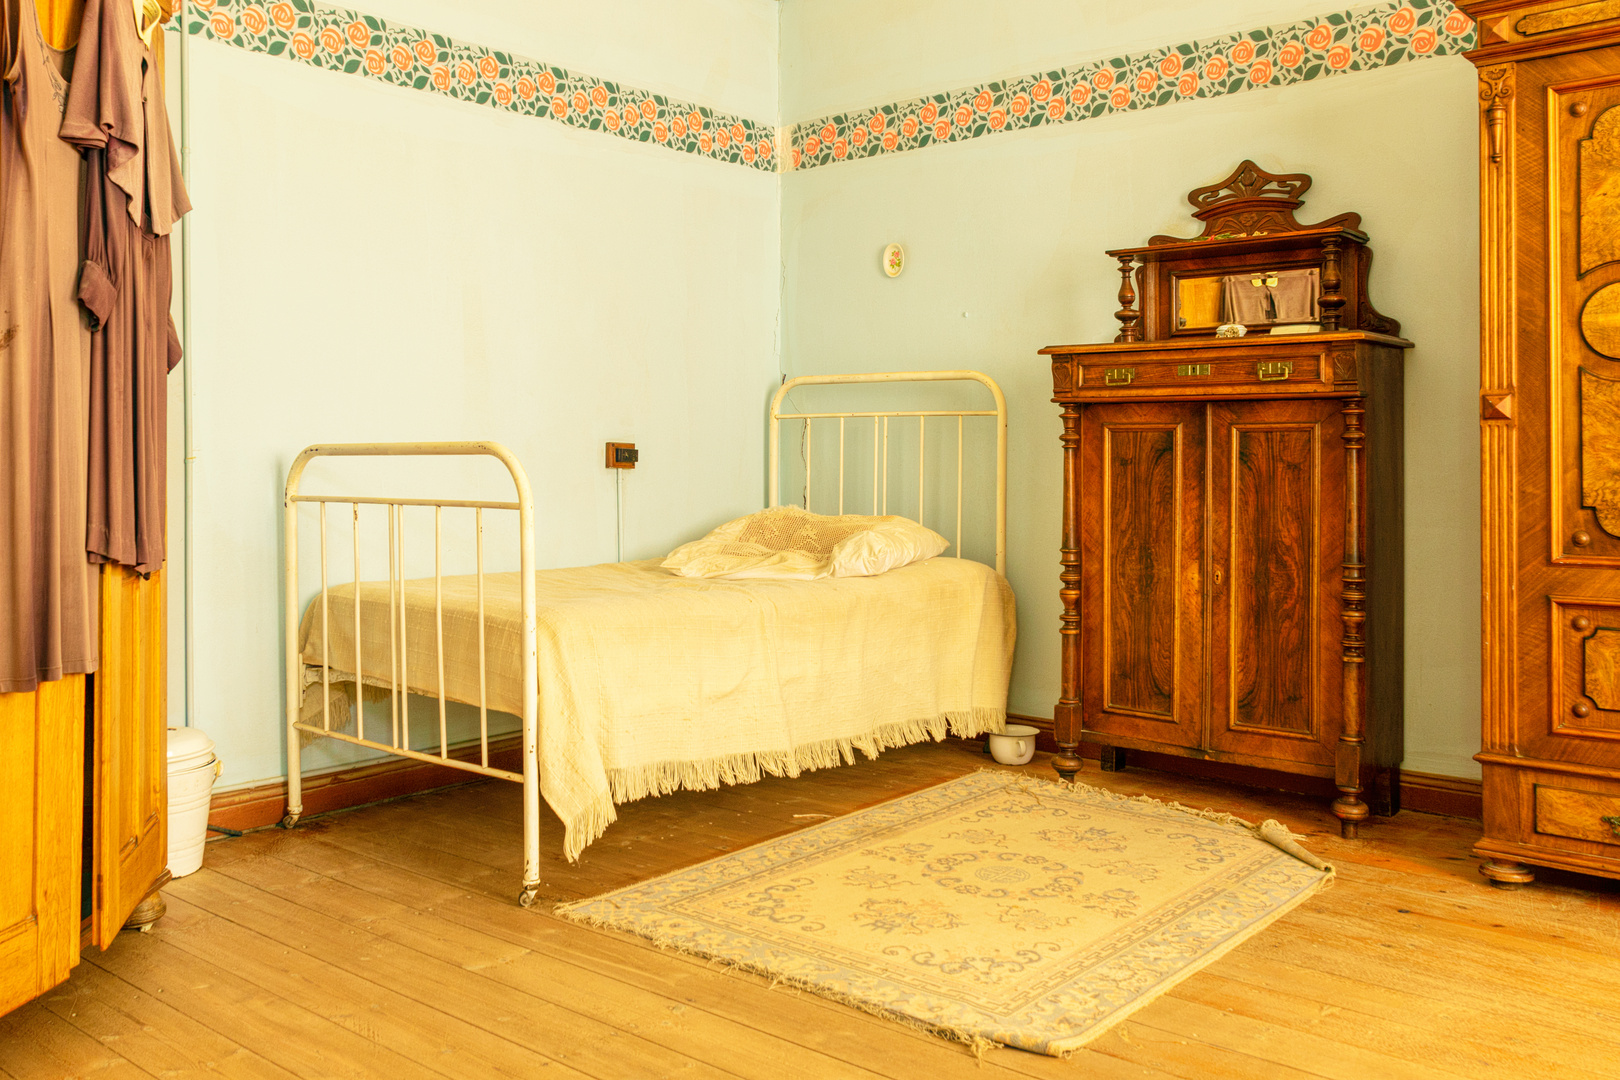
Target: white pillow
(788, 542)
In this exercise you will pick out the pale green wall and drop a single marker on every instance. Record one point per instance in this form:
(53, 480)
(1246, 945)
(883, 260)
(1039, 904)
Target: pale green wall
(1005, 237)
(374, 263)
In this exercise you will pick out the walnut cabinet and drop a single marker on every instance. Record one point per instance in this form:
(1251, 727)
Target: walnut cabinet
(1549, 93)
(1233, 557)
(1232, 521)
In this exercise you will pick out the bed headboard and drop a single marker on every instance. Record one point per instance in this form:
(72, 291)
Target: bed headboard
(880, 419)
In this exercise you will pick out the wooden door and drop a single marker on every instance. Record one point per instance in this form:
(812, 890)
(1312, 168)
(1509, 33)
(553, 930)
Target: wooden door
(1142, 584)
(1276, 549)
(131, 774)
(41, 788)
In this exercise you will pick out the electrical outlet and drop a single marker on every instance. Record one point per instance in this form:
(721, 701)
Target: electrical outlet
(622, 455)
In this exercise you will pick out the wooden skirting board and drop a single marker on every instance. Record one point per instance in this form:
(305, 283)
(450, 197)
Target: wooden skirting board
(390, 778)
(264, 804)
(1426, 793)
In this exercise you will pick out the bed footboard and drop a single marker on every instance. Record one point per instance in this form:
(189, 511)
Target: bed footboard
(396, 678)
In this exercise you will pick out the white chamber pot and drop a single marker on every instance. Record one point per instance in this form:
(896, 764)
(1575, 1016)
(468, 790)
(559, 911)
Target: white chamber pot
(1015, 745)
(192, 771)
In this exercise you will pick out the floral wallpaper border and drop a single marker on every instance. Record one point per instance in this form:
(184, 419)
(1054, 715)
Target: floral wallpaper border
(1334, 44)
(354, 43)
(351, 42)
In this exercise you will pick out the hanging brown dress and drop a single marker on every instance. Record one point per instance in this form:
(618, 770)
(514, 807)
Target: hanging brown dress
(48, 590)
(115, 114)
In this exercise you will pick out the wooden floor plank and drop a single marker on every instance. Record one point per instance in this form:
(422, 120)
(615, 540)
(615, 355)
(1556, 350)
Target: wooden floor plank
(282, 1031)
(357, 966)
(1408, 1039)
(1280, 1045)
(290, 967)
(36, 1044)
(366, 943)
(151, 1034)
(1492, 1019)
(1180, 1056)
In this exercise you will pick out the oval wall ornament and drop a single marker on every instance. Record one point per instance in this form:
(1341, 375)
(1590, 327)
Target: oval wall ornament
(894, 260)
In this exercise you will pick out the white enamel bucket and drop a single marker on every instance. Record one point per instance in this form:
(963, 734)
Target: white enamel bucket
(192, 771)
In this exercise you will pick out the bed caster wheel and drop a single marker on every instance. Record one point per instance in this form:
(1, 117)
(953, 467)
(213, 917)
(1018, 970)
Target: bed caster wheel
(526, 898)
(289, 821)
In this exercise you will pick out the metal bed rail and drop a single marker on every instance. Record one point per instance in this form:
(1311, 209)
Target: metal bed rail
(399, 743)
(880, 443)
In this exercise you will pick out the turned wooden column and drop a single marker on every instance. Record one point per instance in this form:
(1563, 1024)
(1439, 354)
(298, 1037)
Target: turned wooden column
(1349, 807)
(1066, 720)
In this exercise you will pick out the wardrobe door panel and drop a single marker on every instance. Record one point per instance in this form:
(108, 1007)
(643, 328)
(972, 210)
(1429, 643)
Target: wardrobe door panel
(1142, 557)
(41, 786)
(131, 779)
(1276, 543)
(1569, 558)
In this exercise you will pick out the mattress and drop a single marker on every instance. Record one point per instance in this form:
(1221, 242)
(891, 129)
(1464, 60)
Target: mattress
(650, 682)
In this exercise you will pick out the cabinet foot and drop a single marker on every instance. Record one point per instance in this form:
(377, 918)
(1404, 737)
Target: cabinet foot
(1507, 874)
(1067, 762)
(146, 913)
(1351, 812)
(1113, 759)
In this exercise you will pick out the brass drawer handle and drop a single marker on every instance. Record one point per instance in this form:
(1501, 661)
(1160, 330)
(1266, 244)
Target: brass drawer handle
(1273, 370)
(1119, 376)
(1185, 370)
(1613, 823)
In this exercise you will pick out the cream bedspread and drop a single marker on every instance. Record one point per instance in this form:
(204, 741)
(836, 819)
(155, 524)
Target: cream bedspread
(650, 682)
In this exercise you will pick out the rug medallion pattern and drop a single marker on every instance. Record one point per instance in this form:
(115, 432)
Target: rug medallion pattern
(990, 908)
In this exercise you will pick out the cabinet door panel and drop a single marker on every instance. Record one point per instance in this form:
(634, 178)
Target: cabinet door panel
(1142, 564)
(1276, 543)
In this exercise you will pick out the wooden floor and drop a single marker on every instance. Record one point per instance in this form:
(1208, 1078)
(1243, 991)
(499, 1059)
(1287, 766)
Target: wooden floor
(385, 942)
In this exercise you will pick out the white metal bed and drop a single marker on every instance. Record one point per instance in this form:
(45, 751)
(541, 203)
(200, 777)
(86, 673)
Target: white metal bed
(399, 743)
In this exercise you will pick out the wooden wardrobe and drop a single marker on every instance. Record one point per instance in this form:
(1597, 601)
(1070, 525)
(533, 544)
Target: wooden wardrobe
(1232, 522)
(83, 771)
(1549, 92)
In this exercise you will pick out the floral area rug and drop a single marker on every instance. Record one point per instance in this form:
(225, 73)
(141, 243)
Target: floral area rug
(992, 909)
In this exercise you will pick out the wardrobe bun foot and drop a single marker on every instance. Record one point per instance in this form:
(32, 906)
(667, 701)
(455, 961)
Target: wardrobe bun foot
(146, 913)
(1507, 874)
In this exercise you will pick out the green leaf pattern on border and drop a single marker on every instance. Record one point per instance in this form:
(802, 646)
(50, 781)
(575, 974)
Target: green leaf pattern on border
(1335, 44)
(337, 39)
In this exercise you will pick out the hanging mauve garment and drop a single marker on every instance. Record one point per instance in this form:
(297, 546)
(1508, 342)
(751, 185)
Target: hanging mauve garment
(49, 591)
(115, 114)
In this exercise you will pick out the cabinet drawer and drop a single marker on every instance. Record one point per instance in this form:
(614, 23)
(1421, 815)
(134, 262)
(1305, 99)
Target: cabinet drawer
(1205, 375)
(1578, 814)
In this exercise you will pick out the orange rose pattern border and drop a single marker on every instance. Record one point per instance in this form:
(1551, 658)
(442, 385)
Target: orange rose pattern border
(336, 39)
(1334, 44)
(357, 44)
